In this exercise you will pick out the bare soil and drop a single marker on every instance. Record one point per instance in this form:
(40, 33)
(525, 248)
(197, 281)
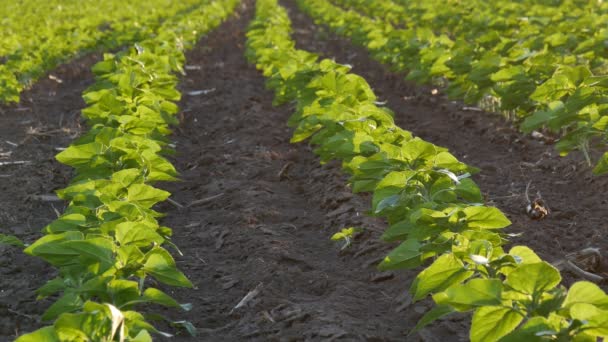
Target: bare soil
(46, 120)
(266, 208)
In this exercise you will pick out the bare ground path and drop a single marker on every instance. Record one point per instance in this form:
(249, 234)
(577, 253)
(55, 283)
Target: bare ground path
(46, 119)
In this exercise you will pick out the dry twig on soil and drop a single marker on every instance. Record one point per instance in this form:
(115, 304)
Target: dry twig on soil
(248, 297)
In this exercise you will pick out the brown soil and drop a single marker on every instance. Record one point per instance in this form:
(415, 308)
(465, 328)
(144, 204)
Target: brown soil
(271, 208)
(47, 118)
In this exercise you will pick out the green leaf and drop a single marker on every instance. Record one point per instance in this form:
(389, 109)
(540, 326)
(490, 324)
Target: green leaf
(159, 297)
(142, 336)
(51, 287)
(534, 278)
(406, 255)
(11, 240)
(46, 334)
(431, 316)
(78, 155)
(490, 323)
(66, 222)
(588, 293)
(387, 202)
(345, 233)
(69, 302)
(469, 191)
(446, 271)
(49, 247)
(100, 250)
(553, 89)
(602, 165)
(524, 255)
(189, 327)
(417, 149)
(137, 234)
(161, 266)
(398, 231)
(485, 218)
(533, 331)
(146, 195)
(507, 74)
(595, 320)
(123, 291)
(476, 292)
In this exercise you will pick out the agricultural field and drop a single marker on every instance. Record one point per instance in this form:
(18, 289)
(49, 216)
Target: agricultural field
(319, 170)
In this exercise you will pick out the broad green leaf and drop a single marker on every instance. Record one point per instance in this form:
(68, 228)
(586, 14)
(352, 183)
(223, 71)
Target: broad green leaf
(588, 293)
(553, 89)
(469, 191)
(476, 292)
(507, 74)
(431, 316)
(602, 165)
(123, 291)
(534, 278)
(485, 218)
(406, 255)
(11, 240)
(127, 177)
(146, 195)
(46, 334)
(596, 320)
(446, 160)
(82, 326)
(142, 336)
(533, 330)
(446, 271)
(490, 323)
(398, 231)
(159, 297)
(100, 250)
(69, 302)
(66, 222)
(161, 266)
(387, 202)
(417, 149)
(49, 247)
(524, 255)
(51, 287)
(77, 155)
(137, 234)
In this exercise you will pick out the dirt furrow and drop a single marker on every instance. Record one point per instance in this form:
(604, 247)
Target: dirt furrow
(46, 120)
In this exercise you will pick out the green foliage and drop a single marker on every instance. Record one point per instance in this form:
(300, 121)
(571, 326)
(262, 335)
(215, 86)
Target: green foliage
(539, 61)
(39, 35)
(434, 210)
(108, 242)
(11, 240)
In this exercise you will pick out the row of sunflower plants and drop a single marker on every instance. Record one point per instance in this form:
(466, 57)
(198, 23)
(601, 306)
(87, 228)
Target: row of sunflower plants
(433, 208)
(541, 64)
(39, 35)
(108, 245)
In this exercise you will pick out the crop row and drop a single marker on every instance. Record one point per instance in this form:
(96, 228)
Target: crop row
(108, 244)
(547, 70)
(433, 208)
(38, 35)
